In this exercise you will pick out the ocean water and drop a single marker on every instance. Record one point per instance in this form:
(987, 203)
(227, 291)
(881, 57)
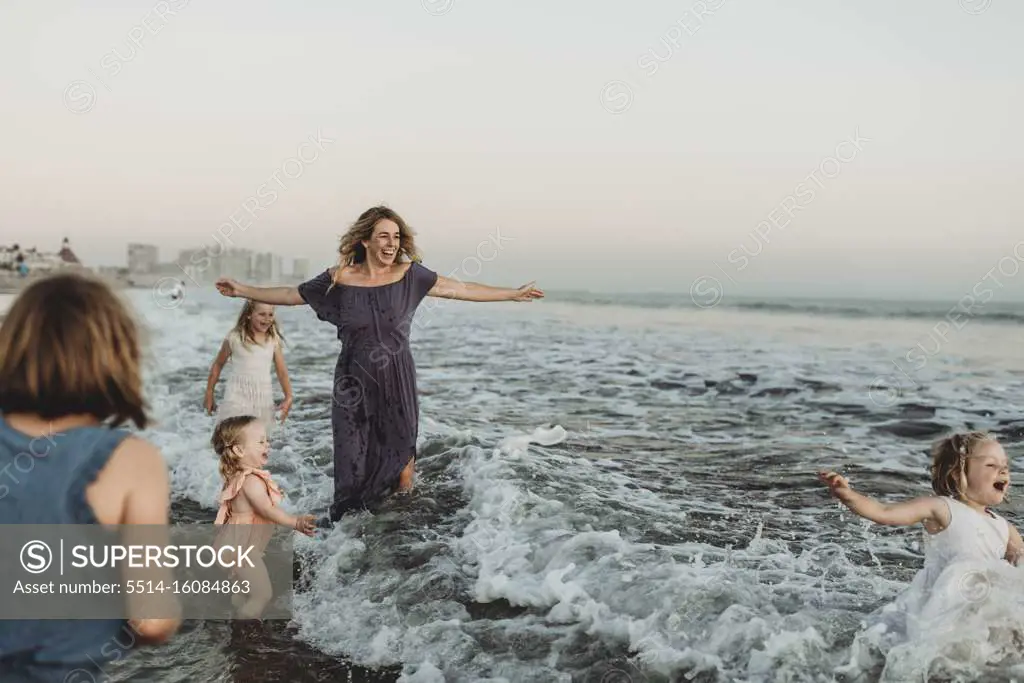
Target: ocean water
(606, 491)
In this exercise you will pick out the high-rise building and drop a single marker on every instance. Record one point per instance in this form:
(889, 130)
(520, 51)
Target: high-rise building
(236, 264)
(300, 269)
(267, 268)
(200, 265)
(142, 258)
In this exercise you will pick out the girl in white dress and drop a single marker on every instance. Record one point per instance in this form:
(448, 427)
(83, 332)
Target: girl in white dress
(253, 347)
(969, 587)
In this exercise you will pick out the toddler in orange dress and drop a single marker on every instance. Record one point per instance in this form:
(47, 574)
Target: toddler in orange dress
(249, 505)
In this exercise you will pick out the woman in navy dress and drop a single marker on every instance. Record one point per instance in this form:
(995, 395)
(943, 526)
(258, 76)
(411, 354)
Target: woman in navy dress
(371, 298)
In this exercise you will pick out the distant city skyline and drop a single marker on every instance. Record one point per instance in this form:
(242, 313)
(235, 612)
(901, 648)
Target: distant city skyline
(808, 148)
(202, 265)
(999, 282)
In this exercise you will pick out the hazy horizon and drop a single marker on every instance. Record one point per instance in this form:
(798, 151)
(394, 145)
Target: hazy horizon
(614, 148)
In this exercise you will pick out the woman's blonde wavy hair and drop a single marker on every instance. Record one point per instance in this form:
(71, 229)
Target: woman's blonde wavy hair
(351, 250)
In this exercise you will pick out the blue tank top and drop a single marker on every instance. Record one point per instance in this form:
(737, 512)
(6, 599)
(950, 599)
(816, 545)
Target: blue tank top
(43, 481)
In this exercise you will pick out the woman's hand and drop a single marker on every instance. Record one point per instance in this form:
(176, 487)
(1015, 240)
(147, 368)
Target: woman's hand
(209, 404)
(285, 407)
(528, 293)
(837, 484)
(229, 287)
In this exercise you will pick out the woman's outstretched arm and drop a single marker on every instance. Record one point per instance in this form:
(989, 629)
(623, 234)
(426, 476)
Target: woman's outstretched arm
(448, 288)
(276, 296)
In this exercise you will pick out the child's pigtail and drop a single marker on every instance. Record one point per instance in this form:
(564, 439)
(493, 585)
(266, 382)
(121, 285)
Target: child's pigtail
(226, 436)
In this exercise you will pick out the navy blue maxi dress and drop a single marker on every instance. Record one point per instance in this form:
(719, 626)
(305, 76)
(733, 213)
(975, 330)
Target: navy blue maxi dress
(375, 411)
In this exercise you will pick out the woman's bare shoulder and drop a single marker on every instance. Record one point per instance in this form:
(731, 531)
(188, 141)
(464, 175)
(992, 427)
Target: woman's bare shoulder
(347, 273)
(341, 273)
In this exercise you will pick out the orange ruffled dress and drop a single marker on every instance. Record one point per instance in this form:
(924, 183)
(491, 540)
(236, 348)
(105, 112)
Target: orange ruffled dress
(246, 528)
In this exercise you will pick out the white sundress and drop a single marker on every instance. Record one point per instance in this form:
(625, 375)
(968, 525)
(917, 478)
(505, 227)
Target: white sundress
(965, 603)
(957, 568)
(249, 388)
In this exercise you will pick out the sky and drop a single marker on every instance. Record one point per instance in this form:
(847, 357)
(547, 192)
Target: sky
(784, 148)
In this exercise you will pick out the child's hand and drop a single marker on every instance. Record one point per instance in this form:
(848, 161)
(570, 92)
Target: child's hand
(305, 524)
(837, 483)
(285, 407)
(153, 631)
(209, 404)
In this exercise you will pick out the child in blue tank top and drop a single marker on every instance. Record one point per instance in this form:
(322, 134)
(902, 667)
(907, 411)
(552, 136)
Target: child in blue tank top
(70, 376)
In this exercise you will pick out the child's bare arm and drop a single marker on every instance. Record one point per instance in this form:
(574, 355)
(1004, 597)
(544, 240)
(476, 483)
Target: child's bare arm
(286, 384)
(215, 369)
(155, 618)
(256, 493)
(927, 509)
(1015, 546)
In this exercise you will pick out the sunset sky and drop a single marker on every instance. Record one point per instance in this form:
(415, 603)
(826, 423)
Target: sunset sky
(614, 145)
